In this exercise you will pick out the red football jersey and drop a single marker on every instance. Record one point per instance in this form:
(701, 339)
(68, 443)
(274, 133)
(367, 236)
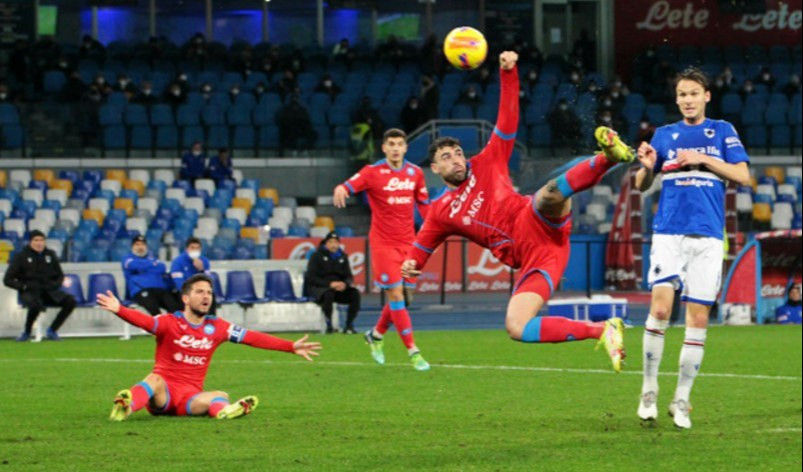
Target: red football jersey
(391, 195)
(184, 350)
(485, 207)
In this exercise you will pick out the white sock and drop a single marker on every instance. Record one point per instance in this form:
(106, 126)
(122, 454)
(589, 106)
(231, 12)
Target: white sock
(691, 356)
(653, 350)
(412, 350)
(375, 334)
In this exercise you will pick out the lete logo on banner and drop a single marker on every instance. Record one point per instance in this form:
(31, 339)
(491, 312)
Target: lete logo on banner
(297, 248)
(700, 23)
(485, 272)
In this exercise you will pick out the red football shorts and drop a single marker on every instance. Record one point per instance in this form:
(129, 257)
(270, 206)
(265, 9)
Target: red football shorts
(542, 245)
(179, 398)
(386, 265)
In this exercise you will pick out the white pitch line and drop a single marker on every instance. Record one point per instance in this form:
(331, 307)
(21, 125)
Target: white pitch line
(782, 430)
(441, 366)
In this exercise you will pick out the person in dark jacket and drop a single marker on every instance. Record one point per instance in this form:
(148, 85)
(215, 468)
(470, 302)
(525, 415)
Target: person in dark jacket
(146, 280)
(36, 274)
(329, 280)
(219, 168)
(790, 312)
(193, 163)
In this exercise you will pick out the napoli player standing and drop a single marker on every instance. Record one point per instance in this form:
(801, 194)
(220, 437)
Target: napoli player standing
(696, 157)
(394, 186)
(530, 233)
(185, 342)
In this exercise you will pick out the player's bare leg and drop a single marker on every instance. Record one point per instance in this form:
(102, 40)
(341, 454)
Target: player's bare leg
(691, 357)
(153, 389)
(523, 325)
(653, 349)
(216, 404)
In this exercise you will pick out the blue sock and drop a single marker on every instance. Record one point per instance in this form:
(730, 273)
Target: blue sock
(532, 331)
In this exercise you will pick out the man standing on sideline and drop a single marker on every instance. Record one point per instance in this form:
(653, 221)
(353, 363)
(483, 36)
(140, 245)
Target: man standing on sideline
(36, 274)
(697, 156)
(329, 280)
(394, 186)
(146, 280)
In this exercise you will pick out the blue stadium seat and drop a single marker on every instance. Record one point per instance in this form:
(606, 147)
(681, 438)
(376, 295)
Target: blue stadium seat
(97, 254)
(191, 134)
(536, 113)
(752, 117)
(279, 287)
(756, 136)
(731, 104)
(242, 253)
(72, 286)
(776, 114)
(461, 112)
(468, 136)
(12, 137)
(110, 115)
(298, 232)
(780, 136)
(339, 116)
(244, 137)
(656, 113)
(114, 137)
(213, 115)
(540, 135)
(100, 283)
(268, 137)
(162, 114)
(167, 137)
(239, 116)
(240, 287)
(9, 114)
(218, 136)
(136, 115)
(141, 137)
(344, 231)
(54, 81)
(187, 115)
(217, 289)
(276, 233)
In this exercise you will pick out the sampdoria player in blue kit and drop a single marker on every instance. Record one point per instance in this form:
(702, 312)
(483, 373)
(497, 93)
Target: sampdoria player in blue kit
(696, 156)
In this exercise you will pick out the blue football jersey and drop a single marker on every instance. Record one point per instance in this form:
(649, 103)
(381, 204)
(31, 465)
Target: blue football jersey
(693, 198)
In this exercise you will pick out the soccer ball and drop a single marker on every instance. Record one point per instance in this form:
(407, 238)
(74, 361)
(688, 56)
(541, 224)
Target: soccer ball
(465, 48)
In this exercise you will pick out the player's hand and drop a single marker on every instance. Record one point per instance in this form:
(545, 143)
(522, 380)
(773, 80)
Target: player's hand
(304, 349)
(199, 264)
(338, 286)
(691, 158)
(108, 302)
(507, 60)
(340, 196)
(408, 269)
(647, 155)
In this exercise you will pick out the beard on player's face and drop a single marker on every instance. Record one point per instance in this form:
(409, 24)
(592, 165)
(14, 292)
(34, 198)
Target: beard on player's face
(199, 303)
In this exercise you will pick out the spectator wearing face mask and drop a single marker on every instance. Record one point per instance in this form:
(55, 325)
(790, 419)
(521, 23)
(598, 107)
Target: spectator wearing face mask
(646, 131)
(747, 89)
(565, 126)
(259, 90)
(145, 95)
(531, 79)
(575, 79)
(146, 280)
(206, 91)
(606, 118)
(234, 91)
(727, 78)
(792, 87)
(174, 96)
(193, 163)
(327, 86)
(524, 98)
(125, 86)
(765, 78)
(183, 81)
(412, 115)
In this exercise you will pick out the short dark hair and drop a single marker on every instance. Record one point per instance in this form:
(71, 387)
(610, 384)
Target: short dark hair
(192, 240)
(187, 285)
(442, 142)
(695, 75)
(394, 133)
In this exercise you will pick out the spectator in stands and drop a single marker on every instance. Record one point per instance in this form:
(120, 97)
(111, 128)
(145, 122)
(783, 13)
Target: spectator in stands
(193, 163)
(4, 95)
(146, 280)
(145, 95)
(295, 127)
(195, 48)
(36, 274)
(576, 79)
(531, 79)
(327, 86)
(219, 168)
(125, 86)
(431, 56)
(607, 102)
(206, 91)
(341, 49)
(74, 89)
(565, 126)
(524, 98)
(765, 78)
(234, 91)
(90, 47)
(792, 87)
(727, 77)
(174, 96)
(268, 68)
(63, 66)
(189, 263)
(586, 49)
(429, 97)
(366, 113)
(719, 87)
(747, 89)
(100, 82)
(412, 115)
(790, 312)
(328, 280)
(391, 50)
(259, 90)
(470, 97)
(183, 81)
(288, 84)
(646, 131)
(606, 118)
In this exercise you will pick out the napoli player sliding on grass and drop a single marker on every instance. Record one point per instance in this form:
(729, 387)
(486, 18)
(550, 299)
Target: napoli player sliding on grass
(185, 342)
(530, 233)
(393, 186)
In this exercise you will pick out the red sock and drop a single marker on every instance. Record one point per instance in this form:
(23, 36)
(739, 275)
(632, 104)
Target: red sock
(384, 321)
(217, 404)
(584, 175)
(140, 394)
(557, 329)
(403, 324)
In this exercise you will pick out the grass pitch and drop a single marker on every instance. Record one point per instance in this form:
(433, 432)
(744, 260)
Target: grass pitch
(487, 404)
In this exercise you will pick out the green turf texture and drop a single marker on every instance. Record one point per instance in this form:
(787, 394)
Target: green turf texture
(346, 413)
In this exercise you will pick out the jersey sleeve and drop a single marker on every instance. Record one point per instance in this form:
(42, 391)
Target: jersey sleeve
(139, 319)
(240, 335)
(734, 151)
(422, 194)
(500, 146)
(359, 181)
(431, 235)
(659, 144)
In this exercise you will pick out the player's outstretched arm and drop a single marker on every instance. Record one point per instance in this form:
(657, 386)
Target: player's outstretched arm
(110, 303)
(306, 349)
(500, 146)
(265, 341)
(339, 197)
